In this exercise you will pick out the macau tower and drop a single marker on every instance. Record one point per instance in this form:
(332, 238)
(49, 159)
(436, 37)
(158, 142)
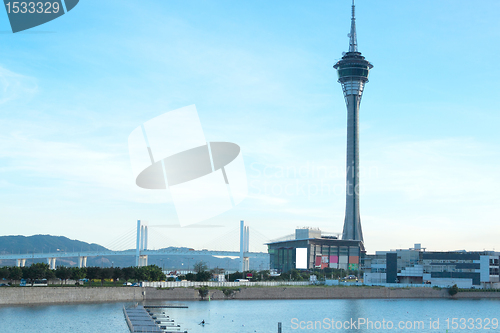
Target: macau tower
(352, 71)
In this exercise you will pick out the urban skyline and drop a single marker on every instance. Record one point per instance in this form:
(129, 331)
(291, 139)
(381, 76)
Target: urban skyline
(261, 76)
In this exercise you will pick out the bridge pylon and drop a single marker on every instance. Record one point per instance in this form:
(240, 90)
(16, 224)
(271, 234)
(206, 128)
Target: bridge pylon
(244, 246)
(141, 244)
(82, 261)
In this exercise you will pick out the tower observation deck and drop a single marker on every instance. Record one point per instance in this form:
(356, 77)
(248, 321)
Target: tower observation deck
(352, 72)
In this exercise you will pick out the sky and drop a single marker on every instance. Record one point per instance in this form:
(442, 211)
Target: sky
(260, 74)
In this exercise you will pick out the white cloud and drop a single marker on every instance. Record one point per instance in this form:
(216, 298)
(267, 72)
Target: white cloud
(71, 166)
(14, 86)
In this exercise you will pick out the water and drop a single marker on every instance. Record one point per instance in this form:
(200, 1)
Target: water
(263, 316)
(88, 318)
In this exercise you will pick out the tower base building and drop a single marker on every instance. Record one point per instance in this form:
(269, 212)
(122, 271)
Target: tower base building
(309, 249)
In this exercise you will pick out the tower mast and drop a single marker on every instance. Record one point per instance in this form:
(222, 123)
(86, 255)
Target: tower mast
(352, 72)
(353, 42)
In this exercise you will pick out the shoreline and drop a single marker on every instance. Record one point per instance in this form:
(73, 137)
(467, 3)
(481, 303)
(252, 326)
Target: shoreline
(74, 295)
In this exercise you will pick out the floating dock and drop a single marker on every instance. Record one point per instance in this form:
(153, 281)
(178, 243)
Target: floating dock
(140, 320)
(165, 306)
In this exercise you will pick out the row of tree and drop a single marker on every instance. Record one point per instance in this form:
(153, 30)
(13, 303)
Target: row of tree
(203, 274)
(41, 271)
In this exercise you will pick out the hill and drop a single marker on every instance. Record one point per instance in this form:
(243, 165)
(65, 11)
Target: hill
(43, 244)
(48, 243)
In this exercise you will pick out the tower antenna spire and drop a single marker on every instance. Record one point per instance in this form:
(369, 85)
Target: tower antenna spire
(353, 41)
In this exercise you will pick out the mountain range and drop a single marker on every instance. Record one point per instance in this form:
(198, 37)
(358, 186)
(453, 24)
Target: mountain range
(49, 243)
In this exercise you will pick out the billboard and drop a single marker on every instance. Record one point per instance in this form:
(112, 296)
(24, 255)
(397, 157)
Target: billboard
(301, 258)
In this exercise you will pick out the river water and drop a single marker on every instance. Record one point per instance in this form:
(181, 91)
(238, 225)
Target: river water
(415, 315)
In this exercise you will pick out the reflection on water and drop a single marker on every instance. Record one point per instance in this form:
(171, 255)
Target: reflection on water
(263, 316)
(99, 318)
(327, 315)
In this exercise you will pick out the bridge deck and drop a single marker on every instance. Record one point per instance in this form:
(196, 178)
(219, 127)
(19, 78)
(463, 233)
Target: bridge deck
(130, 253)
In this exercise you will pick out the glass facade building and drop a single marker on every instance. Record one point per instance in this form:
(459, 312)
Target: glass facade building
(322, 252)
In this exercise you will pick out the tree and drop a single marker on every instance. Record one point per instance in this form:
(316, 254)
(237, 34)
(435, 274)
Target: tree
(217, 270)
(453, 290)
(117, 274)
(15, 273)
(37, 271)
(141, 274)
(105, 274)
(228, 292)
(150, 273)
(4, 273)
(63, 273)
(93, 273)
(191, 277)
(78, 273)
(200, 266)
(203, 292)
(203, 276)
(155, 273)
(128, 273)
(50, 274)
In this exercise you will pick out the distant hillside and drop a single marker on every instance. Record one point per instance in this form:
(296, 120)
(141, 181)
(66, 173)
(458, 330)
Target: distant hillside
(44, 243)
(48, 243)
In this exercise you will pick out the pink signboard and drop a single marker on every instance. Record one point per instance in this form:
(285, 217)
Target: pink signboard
(334, 259)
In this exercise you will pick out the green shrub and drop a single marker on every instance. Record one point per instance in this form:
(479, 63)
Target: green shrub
(453, 290)
(203, 291)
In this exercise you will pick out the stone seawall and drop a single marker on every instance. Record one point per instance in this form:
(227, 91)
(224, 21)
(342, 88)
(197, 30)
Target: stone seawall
(61, 295)
(300, 293)
(43, 295)
(313, 293)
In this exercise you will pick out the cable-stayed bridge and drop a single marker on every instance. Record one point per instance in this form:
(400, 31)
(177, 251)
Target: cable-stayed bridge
(142, 253)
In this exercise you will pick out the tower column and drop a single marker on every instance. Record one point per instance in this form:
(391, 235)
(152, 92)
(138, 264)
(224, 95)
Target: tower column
(352, 223)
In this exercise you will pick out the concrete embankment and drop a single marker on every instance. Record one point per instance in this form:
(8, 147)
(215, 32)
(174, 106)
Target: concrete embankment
(47, 295)
(43, 295)
(303, 293)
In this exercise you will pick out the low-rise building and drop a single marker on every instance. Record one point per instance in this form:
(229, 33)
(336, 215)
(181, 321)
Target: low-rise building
(311, 249)
(416, 265)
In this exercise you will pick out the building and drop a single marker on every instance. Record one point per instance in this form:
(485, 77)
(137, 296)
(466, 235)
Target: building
(310, 249)
(352, 72)
(417, 266)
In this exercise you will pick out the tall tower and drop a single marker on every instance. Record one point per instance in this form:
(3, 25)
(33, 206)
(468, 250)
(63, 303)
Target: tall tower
(353, 72)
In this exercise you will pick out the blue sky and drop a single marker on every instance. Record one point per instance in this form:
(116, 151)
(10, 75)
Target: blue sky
(260, 74)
